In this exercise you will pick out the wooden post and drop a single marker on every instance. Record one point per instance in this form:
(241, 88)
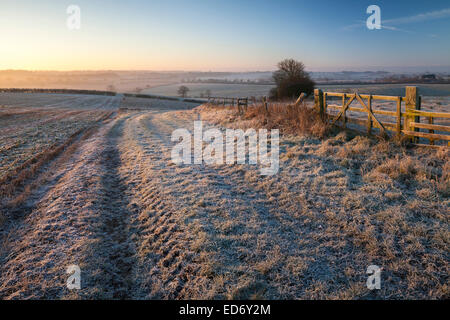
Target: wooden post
(412, 104)
(318, 102)
(418, 106)
(264, 99)
(399, 116)
(430, 121)
(369, 117)
(344, 119)
(300, 99)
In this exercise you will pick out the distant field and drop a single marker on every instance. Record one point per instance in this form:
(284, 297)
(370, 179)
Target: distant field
(249, 90)
(217, 90)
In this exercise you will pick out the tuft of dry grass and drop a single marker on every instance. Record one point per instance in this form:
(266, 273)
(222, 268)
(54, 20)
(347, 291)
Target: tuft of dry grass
(287, 118)
(403, 170)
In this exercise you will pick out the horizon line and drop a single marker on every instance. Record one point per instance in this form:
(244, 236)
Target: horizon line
(316, 69)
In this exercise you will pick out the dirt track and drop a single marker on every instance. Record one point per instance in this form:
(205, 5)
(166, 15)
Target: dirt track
(140, 227)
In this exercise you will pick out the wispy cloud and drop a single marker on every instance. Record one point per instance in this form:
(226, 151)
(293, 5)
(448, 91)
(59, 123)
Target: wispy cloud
(390, 23)
(433, 15)
(362, 24)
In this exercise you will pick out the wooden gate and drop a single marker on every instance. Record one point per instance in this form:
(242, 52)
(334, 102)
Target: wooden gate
(410, 126)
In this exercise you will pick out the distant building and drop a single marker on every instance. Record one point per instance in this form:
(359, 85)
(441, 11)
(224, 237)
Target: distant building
(429, 77)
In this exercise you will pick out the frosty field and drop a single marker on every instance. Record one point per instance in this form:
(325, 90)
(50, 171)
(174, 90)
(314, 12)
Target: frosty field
(140, 227)
(217, 90)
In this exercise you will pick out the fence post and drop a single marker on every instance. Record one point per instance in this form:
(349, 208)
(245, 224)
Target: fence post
(300, 99)
(430, 121)
(399, 117)
(369, 117)
(412, 104)
(344, 119)
(318, 101)
(264, 100)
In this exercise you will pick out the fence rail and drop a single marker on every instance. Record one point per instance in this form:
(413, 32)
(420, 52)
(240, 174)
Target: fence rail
(241, 103)
(405, 122)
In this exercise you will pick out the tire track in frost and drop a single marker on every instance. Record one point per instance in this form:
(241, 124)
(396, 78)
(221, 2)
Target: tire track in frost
(189, 257)
(245, 229)
(164, 246)
(111, 269)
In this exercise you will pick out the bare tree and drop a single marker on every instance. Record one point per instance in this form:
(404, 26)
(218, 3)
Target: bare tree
(291, 80)
(182, 91)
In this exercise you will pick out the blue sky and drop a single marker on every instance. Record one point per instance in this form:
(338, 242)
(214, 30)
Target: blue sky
(222, 35)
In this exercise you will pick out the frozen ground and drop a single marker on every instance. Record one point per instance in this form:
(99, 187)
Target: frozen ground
(141, 227)
(31, 123)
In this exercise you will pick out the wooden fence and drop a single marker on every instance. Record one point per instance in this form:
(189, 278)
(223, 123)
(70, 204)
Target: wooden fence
(405, 122)
(241, 103)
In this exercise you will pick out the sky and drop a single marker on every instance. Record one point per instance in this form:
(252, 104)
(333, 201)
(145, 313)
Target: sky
(222, 35)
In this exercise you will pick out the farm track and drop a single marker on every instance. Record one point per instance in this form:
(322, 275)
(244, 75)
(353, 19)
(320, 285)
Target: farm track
(165, 257)
(232, 215)
(111, 249)
(137, 245)
(114, 250)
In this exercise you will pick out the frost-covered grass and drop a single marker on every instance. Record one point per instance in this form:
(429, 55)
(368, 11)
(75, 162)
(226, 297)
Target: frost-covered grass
(141, 227)
(31, 123)
(347, 202)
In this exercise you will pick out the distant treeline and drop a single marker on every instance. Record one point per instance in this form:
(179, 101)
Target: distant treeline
(61, 91)
(235, 81)
(381, 82)
(425, 78)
